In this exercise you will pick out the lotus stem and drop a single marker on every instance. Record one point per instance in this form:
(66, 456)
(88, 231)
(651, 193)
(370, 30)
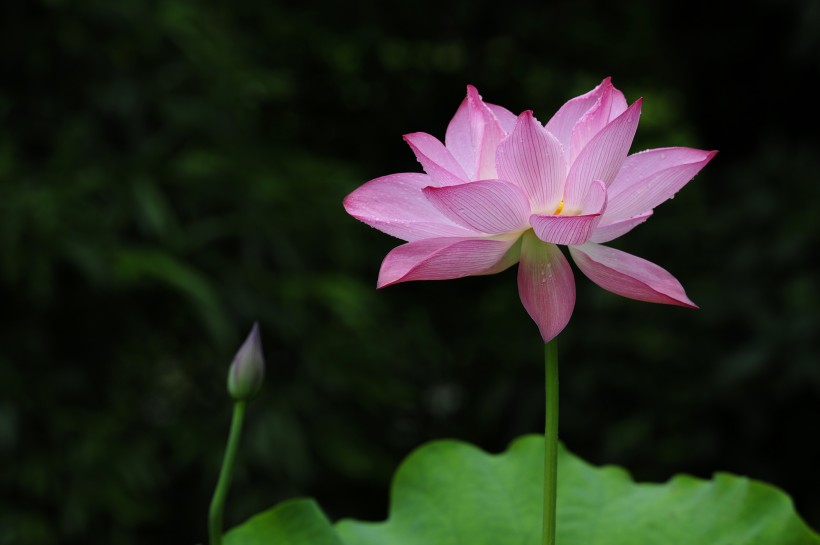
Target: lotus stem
(550, 441)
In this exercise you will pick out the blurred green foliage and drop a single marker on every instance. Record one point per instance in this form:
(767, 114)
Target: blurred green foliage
(172, 170)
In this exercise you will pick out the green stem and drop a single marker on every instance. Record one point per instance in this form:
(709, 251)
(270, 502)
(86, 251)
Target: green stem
(551, 441)
(218, 501)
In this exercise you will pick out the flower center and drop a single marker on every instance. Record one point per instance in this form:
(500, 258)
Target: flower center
(560, 207)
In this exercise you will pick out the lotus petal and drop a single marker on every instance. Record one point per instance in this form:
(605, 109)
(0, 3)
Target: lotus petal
(436, 160)
(395, 205)
(611, 231)
(651, 177)
(532, 158)
(446, 258)
(628, 275)
(489, 206)
(602, 157)
(473, 135)
(562, 229)
(546, 285)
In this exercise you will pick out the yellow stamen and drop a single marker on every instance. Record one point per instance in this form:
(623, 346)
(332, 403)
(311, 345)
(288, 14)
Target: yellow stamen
(560, 207)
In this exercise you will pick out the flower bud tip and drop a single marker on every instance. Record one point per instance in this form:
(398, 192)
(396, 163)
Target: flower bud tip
(248, 368)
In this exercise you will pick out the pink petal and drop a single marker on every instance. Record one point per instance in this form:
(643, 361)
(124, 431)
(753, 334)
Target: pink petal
(572, 229)
(619, 104)
(595, 119)
(611, 231)
(595, 201)
(602, 157)
(436, 160)
(446, 258)
(628, 275)
(472, 136)
(532, 158)
(649, 178)
(645, 163)
(567, 116)
(395, 205)
(546, 286)
(489, 206)
(505, 117)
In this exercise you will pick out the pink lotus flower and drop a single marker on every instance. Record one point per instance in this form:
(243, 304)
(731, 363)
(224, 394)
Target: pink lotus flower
(504, 189)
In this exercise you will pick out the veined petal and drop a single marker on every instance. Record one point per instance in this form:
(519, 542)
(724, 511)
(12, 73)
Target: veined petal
(472, 136)
(629, 275)
(572, 229)
(596, 118)
(619, 104)
(651, 177)
(546, 285)
(643, 164)
(595, 201)
(532, 158)
(610, 231)
(489, 206)
(436, 160)
(446, 258)
(505, 117)
(567, 116)
(602, 157)
(395, 205)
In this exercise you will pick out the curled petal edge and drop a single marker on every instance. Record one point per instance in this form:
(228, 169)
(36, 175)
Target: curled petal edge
(572, 230)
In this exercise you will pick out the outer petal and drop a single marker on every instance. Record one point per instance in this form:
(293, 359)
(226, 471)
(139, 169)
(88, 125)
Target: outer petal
(446, 258)
(572, 229)
(645, 163)
(489, 206)
(436, 160)
(595, 119)
(473, 135)
(546, 285)
(395, 205)
(619, 104)
(649, 178)
(532, 158)
(611, 231)
(602, 157)
(628, 275)
(505, 117)
(567, 116)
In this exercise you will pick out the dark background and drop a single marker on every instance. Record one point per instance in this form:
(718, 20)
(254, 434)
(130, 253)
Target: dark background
(171, 171)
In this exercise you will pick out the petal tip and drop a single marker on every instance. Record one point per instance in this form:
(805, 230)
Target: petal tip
(384, 281)
(347, 203)
(529, 116)
(685, 302)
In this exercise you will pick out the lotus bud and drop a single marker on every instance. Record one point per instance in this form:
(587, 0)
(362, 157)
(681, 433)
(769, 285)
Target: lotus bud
(248, 368)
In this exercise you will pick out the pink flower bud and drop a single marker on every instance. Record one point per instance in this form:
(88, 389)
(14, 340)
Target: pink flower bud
(248, 368)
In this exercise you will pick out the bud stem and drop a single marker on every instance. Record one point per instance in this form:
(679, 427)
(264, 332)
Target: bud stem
(218, 501)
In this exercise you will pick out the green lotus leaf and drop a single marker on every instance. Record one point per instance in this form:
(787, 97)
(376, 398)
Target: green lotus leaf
(293, 522)
(452, 493)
